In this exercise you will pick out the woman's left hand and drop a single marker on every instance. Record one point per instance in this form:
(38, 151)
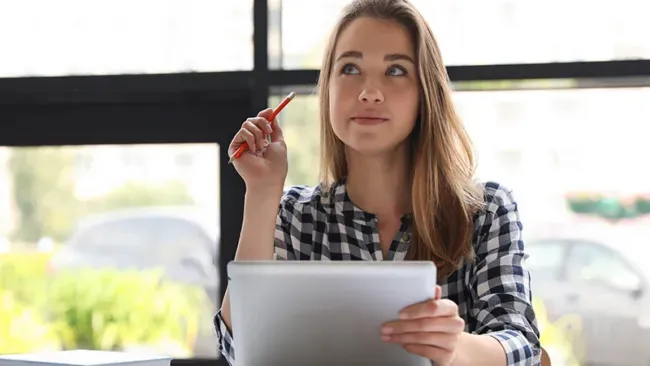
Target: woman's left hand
(430, 329)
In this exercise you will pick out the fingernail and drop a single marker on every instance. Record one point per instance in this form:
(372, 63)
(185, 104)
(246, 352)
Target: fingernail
(385, 338)
(268, 128)
(403, 315)
(387, 330)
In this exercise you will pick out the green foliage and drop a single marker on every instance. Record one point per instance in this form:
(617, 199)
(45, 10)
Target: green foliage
(95, 309)
(43, 183)
(610, 208)
(44, 192)
(23, 297)
(110, 310)
(22, 329)
(301, 127)
(642, 205)
(24, 274)
(561, 339)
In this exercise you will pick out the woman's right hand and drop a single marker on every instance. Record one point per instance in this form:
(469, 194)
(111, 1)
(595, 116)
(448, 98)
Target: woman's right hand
(264, 165)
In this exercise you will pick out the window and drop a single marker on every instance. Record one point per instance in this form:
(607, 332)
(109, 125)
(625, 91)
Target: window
(117, 237)
(591, 262)
(76, 37)
(584, 141)
(193, 236)
(120, 229)
(548, 140)
(472, 32)
(300, 126)
(545, 258)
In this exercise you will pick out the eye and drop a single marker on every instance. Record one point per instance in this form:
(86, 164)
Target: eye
(350, 69)
(396, 71)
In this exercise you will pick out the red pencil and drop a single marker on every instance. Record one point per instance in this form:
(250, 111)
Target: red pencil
(243, 147)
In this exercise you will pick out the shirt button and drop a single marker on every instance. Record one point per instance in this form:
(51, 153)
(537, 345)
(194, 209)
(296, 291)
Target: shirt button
(406, 238)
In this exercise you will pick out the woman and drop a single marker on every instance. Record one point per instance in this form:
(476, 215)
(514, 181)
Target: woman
(397, 184)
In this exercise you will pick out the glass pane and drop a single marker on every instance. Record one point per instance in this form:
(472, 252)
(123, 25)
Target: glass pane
(548, 146)
(474, 32)
(299, 122)
(546, 257)
(86, 231)
(592, 262)
(76, 37)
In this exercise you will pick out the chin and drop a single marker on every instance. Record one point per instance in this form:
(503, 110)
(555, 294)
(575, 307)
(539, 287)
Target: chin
(372, 148)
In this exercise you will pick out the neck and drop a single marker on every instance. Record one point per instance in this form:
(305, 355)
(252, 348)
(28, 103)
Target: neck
(380, 184)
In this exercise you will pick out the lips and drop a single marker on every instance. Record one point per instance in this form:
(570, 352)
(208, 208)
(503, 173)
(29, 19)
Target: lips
(369, 119)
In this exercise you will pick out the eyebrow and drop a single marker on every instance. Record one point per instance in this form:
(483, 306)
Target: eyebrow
(389, 57)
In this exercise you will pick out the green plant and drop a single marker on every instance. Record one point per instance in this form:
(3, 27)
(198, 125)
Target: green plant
(642, 205)
(24, 274)
(22, 330)
(561, 339)
(610, 208)
(111, 309)
(43, 178)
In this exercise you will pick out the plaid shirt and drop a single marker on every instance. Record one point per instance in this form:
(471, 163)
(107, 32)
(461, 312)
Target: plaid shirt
(492, 292)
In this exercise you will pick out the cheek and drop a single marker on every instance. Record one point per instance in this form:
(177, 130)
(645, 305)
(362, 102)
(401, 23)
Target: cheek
(407, 99)
(341, 99)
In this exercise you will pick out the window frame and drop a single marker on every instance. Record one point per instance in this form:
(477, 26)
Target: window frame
(181, 108)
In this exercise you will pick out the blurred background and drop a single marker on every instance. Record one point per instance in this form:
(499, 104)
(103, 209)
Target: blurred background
(118, 211)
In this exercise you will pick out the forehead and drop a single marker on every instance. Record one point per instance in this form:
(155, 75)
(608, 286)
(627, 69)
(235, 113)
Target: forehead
(375, 36)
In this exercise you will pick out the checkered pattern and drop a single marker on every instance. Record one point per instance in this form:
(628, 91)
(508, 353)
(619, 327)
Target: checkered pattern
(492, 293)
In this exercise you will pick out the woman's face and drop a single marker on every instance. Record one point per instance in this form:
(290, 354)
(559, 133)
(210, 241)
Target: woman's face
(374, 86)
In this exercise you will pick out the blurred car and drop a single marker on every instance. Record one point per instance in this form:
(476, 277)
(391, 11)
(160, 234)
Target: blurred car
(597, 279)
(183, 241)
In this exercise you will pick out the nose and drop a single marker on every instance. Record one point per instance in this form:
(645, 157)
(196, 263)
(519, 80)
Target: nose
(371, 96)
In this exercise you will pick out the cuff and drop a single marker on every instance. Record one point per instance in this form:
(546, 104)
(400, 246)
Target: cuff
(226, 344)
(519, 351)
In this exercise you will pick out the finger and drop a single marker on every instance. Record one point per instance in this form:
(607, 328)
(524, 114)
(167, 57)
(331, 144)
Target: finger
(438, 295)
(276, 135)
(265, 113)
(263, 124)
(448, 324)
(440, 356)
(445, 341)
(257, 133)
(242, 136)
(429, 308)
(256, 127)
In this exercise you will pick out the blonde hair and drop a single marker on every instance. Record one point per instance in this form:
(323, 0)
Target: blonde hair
(444, 194)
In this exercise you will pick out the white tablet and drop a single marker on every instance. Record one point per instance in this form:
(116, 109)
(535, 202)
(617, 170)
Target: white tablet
(323, 313)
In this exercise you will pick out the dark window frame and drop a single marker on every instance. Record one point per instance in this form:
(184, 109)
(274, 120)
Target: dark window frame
(184, 107)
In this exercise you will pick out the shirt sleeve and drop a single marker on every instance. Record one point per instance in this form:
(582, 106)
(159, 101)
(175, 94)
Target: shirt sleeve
(500, 282)
(287, 230)
(295, 225)
(224, 339)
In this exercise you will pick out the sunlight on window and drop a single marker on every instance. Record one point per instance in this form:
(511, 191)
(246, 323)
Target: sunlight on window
(574, 159)
(87, 234)
(473, 32)
(76, 37)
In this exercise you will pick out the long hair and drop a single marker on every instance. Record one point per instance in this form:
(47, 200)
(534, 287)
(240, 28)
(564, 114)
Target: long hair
(445, 196)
